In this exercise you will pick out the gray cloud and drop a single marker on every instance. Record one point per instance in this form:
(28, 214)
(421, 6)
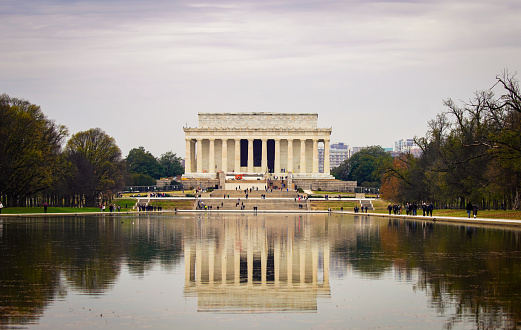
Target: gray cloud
(142, 70)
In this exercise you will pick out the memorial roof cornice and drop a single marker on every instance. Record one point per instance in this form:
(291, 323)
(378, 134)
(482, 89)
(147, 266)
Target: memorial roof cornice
(243, 129)
(259, 113)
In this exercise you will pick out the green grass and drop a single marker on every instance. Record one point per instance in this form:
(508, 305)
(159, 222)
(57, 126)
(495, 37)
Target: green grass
(173, 204)
(380, 204)
(174, 193)
(26, 210)
(128, 202)
(334, 205)
(333, 193)
(487, 214)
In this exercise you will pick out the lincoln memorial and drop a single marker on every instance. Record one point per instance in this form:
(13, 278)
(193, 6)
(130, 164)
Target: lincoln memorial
(278, 143)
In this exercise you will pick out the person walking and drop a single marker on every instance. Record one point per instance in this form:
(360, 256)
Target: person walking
(430, 208)
(475, 210)
(469, 208)
(1, 207)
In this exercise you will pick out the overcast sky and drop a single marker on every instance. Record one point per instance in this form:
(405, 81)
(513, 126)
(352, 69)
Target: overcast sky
(374, 71)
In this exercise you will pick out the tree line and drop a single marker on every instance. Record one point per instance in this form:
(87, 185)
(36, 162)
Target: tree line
(470, 153)
(37, 166)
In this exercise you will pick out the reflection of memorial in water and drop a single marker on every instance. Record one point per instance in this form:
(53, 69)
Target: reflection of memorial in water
(257, 265)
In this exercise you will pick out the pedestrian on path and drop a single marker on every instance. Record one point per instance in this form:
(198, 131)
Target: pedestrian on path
(469, 208)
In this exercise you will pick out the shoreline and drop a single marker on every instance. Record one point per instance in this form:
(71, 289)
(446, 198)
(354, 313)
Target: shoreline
(443, 219)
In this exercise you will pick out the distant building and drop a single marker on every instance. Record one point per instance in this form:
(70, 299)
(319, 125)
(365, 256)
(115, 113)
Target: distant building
(338, 152)
(405, 146)
(354, 150)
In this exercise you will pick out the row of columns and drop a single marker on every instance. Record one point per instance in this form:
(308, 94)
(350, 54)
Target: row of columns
(203, 261)
(264, 156)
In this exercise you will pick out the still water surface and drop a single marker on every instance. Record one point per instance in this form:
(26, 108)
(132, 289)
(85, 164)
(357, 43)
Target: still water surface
(257, 271)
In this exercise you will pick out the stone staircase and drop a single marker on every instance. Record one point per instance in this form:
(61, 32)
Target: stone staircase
(367, 204)
(249, 204)
(274, 200)
(271, 193)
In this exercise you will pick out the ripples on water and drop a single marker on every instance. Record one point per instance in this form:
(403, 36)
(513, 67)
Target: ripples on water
(232, 271)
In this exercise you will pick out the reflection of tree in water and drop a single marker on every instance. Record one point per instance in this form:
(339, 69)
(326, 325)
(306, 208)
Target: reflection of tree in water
(87, 251)
(148, 242)
(475, 271)
(90, 253)
(29, 278)
(359, 246)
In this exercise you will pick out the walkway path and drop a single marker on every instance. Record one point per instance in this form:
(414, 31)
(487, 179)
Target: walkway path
(462, 220)
(455, 220)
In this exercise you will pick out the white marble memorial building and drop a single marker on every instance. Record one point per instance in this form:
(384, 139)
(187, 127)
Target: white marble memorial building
(256, 143)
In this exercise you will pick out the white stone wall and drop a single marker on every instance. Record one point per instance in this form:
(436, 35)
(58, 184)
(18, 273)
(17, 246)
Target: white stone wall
(259, 120)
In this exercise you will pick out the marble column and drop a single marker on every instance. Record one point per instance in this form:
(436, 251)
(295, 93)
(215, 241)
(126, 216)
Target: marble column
(290, 155)
(198, 262)
(188, 269)
(188, 156)
(237, 265)
(249, 255)
(211, 262)
(199, 146)
(211, 161)
(224, 263)
(302, 264)
(326, 157)
(225, 155)
(250, 155)
(315, 156)
(277, 156)
(303, 156)
(326, 264)
(237, 166)
(264, 261)
(289, 263)
(314, 262)
(264, 161)
(276, 262)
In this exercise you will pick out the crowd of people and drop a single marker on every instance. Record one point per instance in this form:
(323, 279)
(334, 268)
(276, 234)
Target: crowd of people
(411, 209)
(148, 208)
(112, 208)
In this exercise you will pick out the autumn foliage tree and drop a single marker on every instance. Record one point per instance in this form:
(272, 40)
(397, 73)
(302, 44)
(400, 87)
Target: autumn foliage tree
(395, 180)
(471, 152)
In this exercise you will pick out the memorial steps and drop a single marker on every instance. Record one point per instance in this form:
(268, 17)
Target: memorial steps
(286, 204)
(274, 200)
(270, 193)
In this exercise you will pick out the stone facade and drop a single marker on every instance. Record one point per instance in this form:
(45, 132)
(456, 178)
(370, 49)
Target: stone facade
(258, 120)
(276, 143)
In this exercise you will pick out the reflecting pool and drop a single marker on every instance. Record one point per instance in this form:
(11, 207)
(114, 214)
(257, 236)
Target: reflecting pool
(240, 270)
